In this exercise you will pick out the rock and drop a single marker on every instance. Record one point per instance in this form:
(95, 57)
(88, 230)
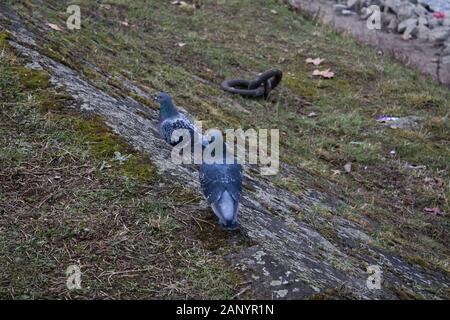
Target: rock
(446, 47)
(339, 7)
(348, 167)
(405, 11)
(420, 11)
(407, 24)
(422, 21)
(391, 21)
(410, 122)
(353, 4)
(439, 35)
(392, 5)
(408, 27)
(347, 12)
(34, 66)
(423, 32)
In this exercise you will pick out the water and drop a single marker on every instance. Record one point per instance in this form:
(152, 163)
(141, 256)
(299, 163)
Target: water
(438, 5)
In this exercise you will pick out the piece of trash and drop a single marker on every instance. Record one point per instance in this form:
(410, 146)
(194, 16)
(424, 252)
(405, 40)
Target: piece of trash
(336, 172)
(435, 211)
(312, 114)
(183, 4)
(121, 157)
(348, 167)
(439, 15)
(273, 11)
(104, 165)
(315, 61)
(393, 152)
(386, 119)
(105, 6)
(124, 23)
(53, 26)
(409, 122)
(327, 74)
(181, 44)
(416, 167)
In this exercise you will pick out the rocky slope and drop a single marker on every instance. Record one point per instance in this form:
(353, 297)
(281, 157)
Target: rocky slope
(288, 257)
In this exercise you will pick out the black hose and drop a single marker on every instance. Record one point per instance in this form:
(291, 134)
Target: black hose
(261, 86)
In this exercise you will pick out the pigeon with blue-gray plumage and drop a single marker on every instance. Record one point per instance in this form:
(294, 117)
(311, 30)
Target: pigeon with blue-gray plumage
(170, 119)
(221, 184)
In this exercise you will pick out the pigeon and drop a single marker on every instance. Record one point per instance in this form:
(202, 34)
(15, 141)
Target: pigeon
(221, 184)
(170, 119)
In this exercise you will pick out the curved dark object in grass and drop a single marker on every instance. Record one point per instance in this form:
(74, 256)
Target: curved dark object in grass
(261, 86)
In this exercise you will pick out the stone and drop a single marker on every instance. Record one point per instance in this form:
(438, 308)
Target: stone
(409, 122)
(446, 47)
(339, 7)
(405, 11)
(420, 11)
(351, 4)
(423, 33)
(347, 12)
(439, 35)
(407, 24)
(423, 21)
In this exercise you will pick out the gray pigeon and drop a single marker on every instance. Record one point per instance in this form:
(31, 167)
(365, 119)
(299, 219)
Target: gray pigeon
(222, 186)
(170, 119)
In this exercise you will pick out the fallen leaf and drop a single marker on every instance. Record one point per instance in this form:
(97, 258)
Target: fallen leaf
(324, 73)
(315, 61)
(54, 26)
(434, 211)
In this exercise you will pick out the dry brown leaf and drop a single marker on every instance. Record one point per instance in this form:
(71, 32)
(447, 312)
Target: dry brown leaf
(54, 26)
(315, 61)
(324, 73)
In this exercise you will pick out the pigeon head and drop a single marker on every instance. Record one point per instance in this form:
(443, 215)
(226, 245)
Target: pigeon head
(167, 109)
(226, 210)
(163, 97)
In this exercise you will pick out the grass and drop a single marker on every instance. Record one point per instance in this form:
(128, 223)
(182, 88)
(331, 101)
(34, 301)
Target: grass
(65, 200)
(229, 39)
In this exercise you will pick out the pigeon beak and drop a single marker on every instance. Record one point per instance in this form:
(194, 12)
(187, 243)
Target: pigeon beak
(230, 226)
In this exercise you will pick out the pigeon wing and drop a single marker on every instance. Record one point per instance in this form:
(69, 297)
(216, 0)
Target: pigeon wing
(215, 179)
(170, 125)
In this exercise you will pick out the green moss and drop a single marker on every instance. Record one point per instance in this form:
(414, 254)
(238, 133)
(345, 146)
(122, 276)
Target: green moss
(140, 167)
(364, 152)
(302, 86)
(104, 144)
(4, 37)
(143, 101)
(32, 79)
(422, 100)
